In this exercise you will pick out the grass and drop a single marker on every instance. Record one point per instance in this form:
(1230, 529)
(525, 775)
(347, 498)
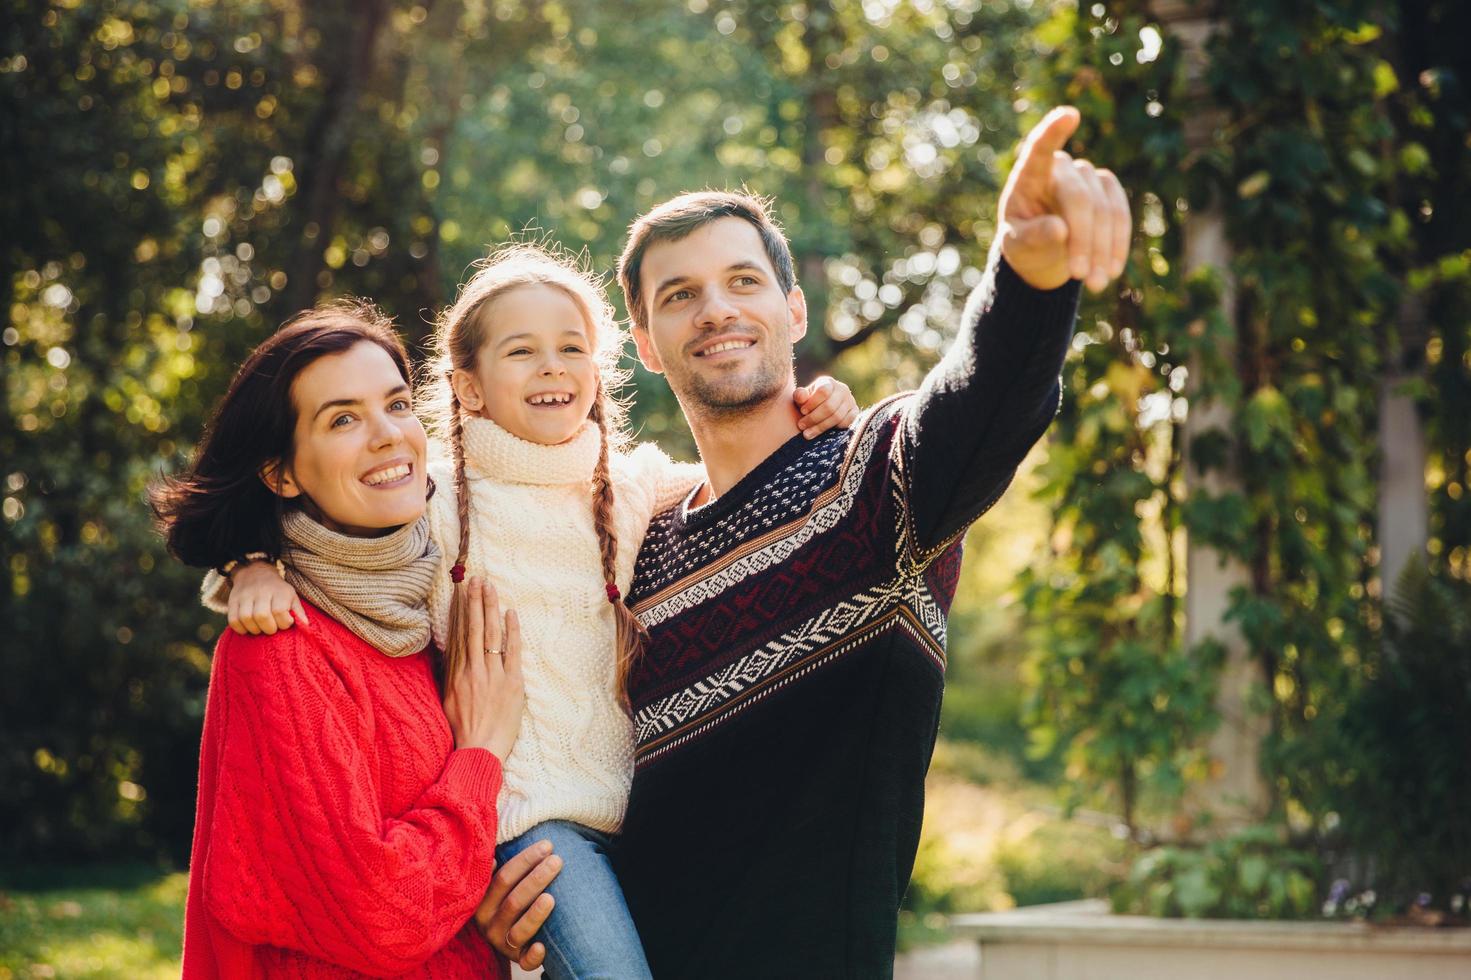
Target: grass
(992, 839)
(91, 923)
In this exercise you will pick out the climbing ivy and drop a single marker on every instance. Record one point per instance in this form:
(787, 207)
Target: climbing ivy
(1316, 159)
(1111, 679)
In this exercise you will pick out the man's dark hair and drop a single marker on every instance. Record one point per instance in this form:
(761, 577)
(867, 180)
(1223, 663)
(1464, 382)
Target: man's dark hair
(676, 219)
(220, 509)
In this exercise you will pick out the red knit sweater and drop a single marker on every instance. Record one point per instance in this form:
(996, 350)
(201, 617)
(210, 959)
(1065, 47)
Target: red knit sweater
(338, 831)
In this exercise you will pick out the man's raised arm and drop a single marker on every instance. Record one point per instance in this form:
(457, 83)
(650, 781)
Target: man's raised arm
(1061, 223)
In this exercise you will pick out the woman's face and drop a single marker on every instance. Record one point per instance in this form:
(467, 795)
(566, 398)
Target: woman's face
(359, 449)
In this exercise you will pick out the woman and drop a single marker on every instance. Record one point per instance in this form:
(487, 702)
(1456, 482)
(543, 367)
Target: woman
(346, 821)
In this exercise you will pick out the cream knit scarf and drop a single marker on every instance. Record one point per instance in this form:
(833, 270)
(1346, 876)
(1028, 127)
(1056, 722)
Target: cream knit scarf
(376, 587)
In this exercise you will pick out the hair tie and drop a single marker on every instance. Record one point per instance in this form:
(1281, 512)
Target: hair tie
(457, 573)
(612, 592)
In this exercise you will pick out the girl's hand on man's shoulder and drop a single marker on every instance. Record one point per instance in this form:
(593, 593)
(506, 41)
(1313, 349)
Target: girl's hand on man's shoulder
(825, 404)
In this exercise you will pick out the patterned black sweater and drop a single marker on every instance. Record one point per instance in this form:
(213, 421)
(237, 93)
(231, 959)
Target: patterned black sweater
(787, 707)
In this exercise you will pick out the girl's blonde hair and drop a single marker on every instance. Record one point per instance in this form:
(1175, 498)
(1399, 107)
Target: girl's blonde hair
(460, 332)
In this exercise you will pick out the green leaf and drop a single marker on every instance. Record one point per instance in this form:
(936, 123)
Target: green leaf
(1300, 892)
(1056, 30)
(1385, 80)
(1363, 162)
(1195, 893)
(1414, 158)
(1253, 873)
(1264, 416)
(1254, 185)
(1220, 521)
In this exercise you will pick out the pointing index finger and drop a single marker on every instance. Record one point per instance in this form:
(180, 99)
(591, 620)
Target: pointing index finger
(1045, 139)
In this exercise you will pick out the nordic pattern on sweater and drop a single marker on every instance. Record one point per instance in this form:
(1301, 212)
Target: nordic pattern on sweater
(786, 500)
(821, 492)
(789, 699)
(698, 566)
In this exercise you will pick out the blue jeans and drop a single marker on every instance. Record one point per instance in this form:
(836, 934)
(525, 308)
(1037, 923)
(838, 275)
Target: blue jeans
(590, 935)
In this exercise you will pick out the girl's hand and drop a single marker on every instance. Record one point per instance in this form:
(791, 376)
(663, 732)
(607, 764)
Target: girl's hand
(825, 404)
(261, 601)
(484, 702)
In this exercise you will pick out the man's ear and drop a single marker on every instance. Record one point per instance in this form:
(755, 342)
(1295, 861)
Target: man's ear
(646, 353)
(797, 313)
(467, 390)
(278, 480)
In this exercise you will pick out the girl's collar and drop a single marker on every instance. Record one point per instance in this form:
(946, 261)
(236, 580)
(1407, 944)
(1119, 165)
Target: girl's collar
(493, 453)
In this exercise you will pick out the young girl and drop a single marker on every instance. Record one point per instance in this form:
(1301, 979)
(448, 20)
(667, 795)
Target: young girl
(544, 503)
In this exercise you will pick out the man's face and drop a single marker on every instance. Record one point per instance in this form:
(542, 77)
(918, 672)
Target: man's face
(719, 326)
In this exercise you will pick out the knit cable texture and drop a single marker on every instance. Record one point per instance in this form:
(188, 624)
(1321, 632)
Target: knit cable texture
(376, 587)
(532, 536)
(338, 830)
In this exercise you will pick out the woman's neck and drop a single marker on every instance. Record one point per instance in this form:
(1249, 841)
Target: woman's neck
(310, 509)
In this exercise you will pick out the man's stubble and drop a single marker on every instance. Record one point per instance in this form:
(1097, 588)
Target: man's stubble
(722, 399)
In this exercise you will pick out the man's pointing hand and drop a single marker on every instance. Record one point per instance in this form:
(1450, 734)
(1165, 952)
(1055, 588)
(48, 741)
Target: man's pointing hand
(1062, 218)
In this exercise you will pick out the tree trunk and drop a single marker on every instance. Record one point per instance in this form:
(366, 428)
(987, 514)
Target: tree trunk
(822, 113)
(1404, 508)
(334, 126)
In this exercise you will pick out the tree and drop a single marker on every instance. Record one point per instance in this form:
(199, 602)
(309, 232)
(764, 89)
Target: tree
(259, 155)
(156, 143)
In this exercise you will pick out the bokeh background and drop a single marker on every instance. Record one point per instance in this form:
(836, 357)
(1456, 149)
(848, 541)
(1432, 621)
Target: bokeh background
(177, 178)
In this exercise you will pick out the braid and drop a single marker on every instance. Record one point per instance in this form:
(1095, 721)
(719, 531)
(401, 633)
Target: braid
(462, 492)
(455, 652)
(630, 633)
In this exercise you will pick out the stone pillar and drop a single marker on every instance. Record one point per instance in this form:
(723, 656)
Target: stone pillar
(1236, 793)
(1404, 508)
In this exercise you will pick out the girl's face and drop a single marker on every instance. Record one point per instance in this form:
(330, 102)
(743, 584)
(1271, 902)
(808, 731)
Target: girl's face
(358, 452)
(535, 375)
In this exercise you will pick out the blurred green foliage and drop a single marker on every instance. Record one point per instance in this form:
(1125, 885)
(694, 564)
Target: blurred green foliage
(994, 839)
(1112, 687)
(1249, 874)
(1062, 860)
(1407, 734)
(180, 177)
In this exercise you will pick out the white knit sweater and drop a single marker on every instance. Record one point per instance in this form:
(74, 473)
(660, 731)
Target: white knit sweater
(532, 535)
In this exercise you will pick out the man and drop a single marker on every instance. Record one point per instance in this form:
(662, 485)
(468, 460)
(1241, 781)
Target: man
(787, 704)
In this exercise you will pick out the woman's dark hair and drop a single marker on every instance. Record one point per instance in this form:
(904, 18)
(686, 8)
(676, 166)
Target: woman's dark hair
(221, 508)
